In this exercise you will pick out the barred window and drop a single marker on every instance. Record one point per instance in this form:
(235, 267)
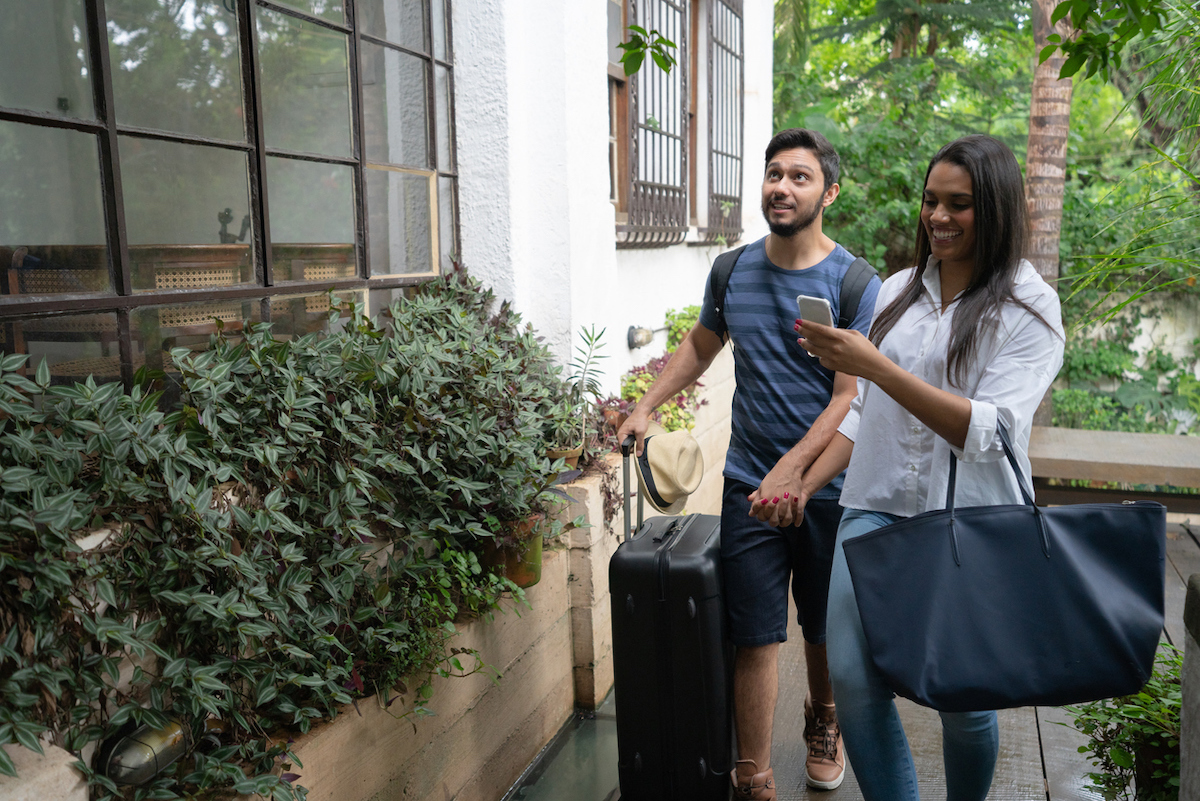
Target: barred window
(725, 121)
(177, 166)
(656, 208)
(654, 135)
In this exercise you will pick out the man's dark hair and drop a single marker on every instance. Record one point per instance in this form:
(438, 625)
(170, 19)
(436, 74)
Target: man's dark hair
(809, 140)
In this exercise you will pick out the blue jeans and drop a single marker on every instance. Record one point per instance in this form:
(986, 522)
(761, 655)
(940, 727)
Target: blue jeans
(875, 740)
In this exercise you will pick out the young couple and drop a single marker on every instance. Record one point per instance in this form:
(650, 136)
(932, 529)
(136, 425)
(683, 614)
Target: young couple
(837, 432)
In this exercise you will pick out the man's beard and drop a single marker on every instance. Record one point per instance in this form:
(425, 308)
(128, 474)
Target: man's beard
(788, 230)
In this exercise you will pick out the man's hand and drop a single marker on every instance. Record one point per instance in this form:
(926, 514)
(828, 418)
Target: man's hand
(777, 510)
(634, 426)
(772, 501)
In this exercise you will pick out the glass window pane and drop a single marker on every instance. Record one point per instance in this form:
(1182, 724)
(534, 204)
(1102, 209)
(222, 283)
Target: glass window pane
(442, 92)
(157, 330)
(52, 237)
(447, 222)
(438, 9)
(187, 213)
(311, 204)
(43, 58)
(395, 106)
(73, 346)
(399, 21)
(400, 223)
(380, 300)
(176, 66)
(306, 85)
(332, 10)
(296, 315)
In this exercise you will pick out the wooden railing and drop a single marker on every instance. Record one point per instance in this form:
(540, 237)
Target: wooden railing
(1102, 457)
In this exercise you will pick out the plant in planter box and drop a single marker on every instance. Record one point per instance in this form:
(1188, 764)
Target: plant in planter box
(674, 414)
(569, 405)
(1136, 738)
(365, 463)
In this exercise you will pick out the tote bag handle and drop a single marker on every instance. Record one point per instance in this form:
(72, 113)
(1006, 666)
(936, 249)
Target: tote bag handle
(1026, 494)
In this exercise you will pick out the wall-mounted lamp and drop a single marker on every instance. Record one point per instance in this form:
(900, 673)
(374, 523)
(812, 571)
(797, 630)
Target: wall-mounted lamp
(639, 337)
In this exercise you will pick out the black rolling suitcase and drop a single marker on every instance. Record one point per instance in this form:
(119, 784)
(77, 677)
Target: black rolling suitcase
(673, 662)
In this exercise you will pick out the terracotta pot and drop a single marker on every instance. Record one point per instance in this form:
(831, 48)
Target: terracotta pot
(571, 457)
(517, 555)
(615, 418)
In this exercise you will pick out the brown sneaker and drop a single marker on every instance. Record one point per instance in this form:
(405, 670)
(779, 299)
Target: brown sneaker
(749, 784)
(826, 764)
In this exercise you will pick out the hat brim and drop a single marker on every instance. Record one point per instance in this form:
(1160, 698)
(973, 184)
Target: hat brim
(671, 509)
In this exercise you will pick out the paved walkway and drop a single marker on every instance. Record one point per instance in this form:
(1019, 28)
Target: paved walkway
(1039, 758)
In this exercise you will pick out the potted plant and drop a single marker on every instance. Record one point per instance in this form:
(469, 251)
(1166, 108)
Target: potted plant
(566, 418)
(563, 434)
(1135, 738)
(515, 552)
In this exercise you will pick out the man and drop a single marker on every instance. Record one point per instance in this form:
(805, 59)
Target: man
(785, 410)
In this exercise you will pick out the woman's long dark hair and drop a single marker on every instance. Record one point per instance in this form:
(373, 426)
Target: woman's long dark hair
(1001, 238)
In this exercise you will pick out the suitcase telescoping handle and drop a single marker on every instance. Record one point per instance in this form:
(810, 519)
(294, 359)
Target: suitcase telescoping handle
(626, 450)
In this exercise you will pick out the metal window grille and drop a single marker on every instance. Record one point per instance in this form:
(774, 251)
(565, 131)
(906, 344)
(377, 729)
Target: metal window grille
(658, 146)
(726, 114)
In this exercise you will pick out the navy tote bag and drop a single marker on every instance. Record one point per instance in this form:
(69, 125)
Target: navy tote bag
(991, 607)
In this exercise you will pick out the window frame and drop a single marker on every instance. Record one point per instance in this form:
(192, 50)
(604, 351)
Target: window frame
(106, 130)
(644, 221)
(721, 117)
(656, 214)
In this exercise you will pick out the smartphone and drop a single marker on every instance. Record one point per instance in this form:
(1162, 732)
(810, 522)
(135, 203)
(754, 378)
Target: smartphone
(814, 310)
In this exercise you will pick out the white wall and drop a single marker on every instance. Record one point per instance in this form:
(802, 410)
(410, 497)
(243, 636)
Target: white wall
(532, 125)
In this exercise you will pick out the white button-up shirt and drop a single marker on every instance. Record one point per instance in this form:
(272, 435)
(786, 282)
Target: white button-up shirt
(899, 465)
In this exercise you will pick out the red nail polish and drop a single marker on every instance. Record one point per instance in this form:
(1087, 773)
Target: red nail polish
(785, 496)
(775, 499)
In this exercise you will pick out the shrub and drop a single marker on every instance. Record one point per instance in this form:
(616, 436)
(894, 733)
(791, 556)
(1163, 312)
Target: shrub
(674, 414)
(1137, 735)
(302, 532)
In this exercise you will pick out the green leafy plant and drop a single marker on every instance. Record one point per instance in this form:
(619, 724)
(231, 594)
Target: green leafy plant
(1136, 736)
(674, 414)
(585, 378)
(680, 324)
(301, 533)
(644, 42)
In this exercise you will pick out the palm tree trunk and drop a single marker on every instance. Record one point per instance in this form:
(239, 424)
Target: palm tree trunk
(1046, 158)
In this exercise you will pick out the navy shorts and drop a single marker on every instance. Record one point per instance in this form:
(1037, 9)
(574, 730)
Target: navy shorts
(758, 559)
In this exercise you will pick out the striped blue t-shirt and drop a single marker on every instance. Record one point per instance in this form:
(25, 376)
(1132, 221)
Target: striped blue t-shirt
(781, 390)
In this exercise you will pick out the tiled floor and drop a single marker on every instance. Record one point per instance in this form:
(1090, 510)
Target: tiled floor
(1039, 759)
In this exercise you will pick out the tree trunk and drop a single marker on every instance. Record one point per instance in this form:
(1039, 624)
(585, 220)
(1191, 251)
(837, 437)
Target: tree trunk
(1046, 159)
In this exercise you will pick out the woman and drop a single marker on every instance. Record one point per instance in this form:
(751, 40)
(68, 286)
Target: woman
(966, 341)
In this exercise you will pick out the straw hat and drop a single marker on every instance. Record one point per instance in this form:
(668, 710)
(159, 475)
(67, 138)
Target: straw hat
(669, 469)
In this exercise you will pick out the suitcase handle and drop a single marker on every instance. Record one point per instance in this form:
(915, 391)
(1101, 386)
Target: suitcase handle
(626, 449)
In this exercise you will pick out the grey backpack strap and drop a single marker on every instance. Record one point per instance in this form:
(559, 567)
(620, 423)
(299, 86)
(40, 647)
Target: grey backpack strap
(718, 282)
(854, 283)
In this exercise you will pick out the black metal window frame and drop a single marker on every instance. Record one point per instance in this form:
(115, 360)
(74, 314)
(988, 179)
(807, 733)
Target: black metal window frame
(107, 130)
(726, 120)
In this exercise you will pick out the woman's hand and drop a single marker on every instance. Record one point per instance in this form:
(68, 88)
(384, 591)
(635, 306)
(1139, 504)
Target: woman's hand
(778, 510)
(841, 349)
